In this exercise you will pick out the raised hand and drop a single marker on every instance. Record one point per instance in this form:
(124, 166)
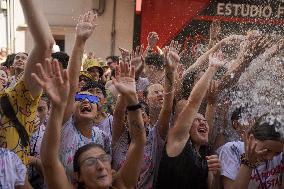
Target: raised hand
(152, 39)
(54, 81)
(125, 54)
(217, 60)
(171, 59)
(212, 92)
(136, 57)
(175, 46)
(124, 82)
(215, 30)
(213, 164)
(86, 25)
(254, 46)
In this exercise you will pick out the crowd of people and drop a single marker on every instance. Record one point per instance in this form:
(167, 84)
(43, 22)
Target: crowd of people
(145, 119)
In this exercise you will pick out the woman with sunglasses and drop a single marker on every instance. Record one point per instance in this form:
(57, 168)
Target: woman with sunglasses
(92, 165)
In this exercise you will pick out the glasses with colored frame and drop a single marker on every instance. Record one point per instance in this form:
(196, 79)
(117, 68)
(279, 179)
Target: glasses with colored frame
(93, 161)
(91, 98)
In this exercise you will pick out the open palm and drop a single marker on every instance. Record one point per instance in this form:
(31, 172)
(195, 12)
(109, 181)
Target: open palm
(86, 25)
(54, 81)
(125, 80)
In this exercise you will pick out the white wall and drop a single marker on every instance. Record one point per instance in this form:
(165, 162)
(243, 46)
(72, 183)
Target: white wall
(62, 15)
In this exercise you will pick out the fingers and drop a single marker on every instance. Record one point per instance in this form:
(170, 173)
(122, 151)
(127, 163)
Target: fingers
(38, 80)
(213, 163)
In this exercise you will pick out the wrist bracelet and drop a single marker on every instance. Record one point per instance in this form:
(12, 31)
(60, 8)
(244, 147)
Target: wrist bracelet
(134, 107)
(247, 163)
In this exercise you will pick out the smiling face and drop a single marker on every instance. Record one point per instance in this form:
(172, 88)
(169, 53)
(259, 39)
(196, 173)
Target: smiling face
(85, 110)
(19, 62)
(155, 96)
(199, 130)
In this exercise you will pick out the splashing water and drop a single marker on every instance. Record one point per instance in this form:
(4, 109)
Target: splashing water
(260, 90)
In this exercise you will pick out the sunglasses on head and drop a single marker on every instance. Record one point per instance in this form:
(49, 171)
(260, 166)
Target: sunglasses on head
(91, 98)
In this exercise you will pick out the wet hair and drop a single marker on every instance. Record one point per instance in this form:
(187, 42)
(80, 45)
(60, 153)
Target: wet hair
(237, 114)
(62, 57)
(9, 60)
(79, 152)
(155, 59)
(188, 83)
(265, 128)
(113, 58)
(94, 84)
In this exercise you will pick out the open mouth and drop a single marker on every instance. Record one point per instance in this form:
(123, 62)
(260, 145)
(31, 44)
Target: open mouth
(85, 108)
(202, 130)
(101, 177)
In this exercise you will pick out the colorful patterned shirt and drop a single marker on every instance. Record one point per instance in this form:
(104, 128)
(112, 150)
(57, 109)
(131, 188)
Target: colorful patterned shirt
(25, 108)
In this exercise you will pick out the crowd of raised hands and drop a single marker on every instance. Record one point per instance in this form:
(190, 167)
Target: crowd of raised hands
(142, 120)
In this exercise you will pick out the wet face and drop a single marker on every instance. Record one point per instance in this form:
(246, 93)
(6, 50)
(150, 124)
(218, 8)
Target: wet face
(111, 64)
(273, 148)
(85, 110)
(98, 92)
(42, 110)
(3, 78)
(19, 62)
(95, 169)
(199, 130)
(155, 96)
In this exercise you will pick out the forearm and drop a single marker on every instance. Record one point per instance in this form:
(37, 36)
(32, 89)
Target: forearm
(73, 69)
(184, 121)
(51, 140)
(209, 115)
(136, 125)
(234, 73)
(118, 119)
(243, 178)
(165, 113)
(75, 63)
(37, 23)
(43, 42)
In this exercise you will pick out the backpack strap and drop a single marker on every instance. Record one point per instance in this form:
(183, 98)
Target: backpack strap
(8, 111)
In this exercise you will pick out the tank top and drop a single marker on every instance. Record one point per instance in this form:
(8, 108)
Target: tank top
(185, 171)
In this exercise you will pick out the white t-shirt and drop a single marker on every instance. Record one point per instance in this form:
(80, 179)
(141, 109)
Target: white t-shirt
(106, 125)
(269, 173)
(72, 140)
(12, 170)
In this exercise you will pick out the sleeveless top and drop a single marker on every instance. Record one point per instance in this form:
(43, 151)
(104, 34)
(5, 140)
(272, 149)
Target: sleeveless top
(187, 170)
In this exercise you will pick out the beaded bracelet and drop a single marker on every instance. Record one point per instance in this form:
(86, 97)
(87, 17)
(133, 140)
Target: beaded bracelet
(247, 163)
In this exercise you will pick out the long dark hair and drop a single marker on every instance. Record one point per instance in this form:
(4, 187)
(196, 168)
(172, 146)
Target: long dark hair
(265, 128)
(79, 152)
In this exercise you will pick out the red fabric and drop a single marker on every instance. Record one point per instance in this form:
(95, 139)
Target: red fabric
(168, 17)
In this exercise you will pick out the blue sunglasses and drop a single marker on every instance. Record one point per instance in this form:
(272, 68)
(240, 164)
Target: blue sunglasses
(91, 98)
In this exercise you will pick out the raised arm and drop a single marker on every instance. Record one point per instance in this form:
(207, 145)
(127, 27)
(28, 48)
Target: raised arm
(171, 60)
(179, 134)
(85, 27)
(254, 47)
(43, 42)
(128, 174)
(202, 62)
(57, 88)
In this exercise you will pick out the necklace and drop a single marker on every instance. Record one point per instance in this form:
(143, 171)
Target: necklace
(81, 142)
